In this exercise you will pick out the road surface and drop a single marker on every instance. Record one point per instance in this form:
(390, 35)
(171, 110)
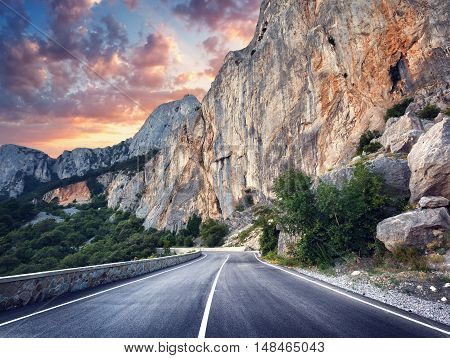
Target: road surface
(217, 295)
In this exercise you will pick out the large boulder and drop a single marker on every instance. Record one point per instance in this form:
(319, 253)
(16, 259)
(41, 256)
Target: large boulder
(429, 161)
(401, 134)
(287, 244)
(416, 229)
(432, 202)
(338, 177)
(393, 170)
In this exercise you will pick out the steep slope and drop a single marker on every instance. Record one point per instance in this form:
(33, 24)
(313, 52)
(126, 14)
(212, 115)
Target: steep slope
(315, 76)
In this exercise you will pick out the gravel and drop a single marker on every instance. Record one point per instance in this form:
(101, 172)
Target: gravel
(437, 311)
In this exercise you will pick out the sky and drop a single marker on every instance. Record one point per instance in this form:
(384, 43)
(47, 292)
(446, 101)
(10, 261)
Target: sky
(87, 73)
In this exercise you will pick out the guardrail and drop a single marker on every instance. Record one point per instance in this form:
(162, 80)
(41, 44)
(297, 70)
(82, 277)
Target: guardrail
(21, 290)
(182, 250)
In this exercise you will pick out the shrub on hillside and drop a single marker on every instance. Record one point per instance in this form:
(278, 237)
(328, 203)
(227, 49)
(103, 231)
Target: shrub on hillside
(212, 232)
(331, 221)
(193, 226)
(430, 111)
(268, 240)
(398, 109)
(365, 144)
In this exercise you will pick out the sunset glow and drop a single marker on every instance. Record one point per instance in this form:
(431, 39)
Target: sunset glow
(87, 73)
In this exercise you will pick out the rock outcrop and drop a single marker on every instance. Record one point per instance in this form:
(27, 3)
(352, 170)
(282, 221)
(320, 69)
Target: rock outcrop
(417, 229)
(432, 202)
(20, 166)
(174, 183)
(78, 193)
(401, 134)
(429, 161)
(287, 244)
(393, 170)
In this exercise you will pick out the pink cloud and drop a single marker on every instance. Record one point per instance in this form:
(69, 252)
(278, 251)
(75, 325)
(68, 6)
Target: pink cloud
(131, 4)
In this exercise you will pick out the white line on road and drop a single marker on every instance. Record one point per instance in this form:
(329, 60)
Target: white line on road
(99, 293)
(356, 298)
(202, 331)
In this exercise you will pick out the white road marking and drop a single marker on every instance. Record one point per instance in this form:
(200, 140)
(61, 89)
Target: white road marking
(99, 293)
(202, 331)
(356, 298)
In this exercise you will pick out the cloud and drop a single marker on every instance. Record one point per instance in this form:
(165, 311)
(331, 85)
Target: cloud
(51, 101)
(155, 52)
(131, 4)
(231, 18)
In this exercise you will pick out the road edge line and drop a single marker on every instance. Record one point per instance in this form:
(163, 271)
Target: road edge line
(356, 298)
(99, 293)
(204, 324)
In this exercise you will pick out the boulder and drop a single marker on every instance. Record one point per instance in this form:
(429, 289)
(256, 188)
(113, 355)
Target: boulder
(429, 161)
(394, 171)
(432, 202)
(338, 176)
(416, 229)
(286, 244)
(401, 134)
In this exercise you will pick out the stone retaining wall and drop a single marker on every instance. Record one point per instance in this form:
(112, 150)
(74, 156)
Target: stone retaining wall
(20, 290)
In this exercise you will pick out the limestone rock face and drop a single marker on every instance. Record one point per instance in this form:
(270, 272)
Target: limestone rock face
(432, 202)
(124, 191)
(429, 161)
(161, 124)
(174, 183)
(80, 161)
(19, 165)
(401, 134)
(74, 193)
(314, 77)
(416, 229)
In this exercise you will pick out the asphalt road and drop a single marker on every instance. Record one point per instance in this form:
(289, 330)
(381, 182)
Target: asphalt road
(233, 294)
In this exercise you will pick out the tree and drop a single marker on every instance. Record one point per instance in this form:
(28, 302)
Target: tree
(212, 232)
(331, 221)
(193, 225)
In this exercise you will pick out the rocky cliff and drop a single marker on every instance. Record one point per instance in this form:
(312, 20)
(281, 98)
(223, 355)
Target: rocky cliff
(19, 165)
(315, 76)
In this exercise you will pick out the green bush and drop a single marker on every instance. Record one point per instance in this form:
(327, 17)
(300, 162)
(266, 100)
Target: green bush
(365, 144)
(268, 240)
(212, 232)
(331, 221)
(398, 109)
(193, 225)
(447, 112)
(430, 111)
